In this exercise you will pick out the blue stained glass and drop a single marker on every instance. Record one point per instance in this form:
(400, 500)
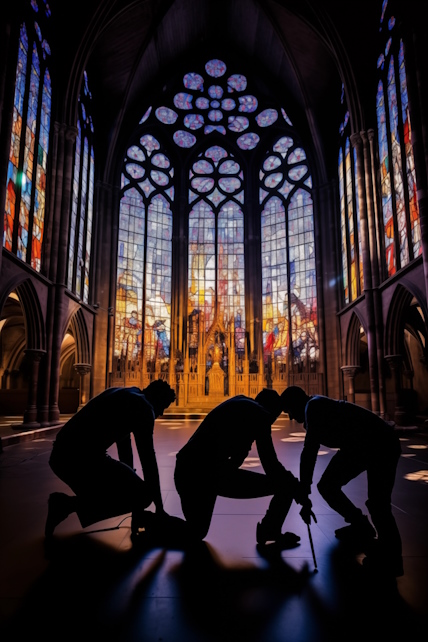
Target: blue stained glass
(297, 155)
(391, 23)
(159, 178)
(136, 171)
(215, 91)
(228, 104)
(229, 167)
(229, 184)
(216, 153)
(272, 180)
(247, 104)
(193, 81)
(136, 153)
(215, 115)
(272, 162)
(193, 121)
(202, 103)
(267, 117)
(248, 141)
(202, 185)
(283, 145)
(215, 68)
(215, 104)
(285, 117)
(160, 160)
(38, 31)
(166, 115)
(296, 173)
(149, 142)
(203, 167)
(183, 101)
(184, 139)
(237, 82)
(238, 123)
(215, 128)
(146, 115)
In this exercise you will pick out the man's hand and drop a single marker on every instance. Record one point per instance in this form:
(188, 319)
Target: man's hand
(306, 511)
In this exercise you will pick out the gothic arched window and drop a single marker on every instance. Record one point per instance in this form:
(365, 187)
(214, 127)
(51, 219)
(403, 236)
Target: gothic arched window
(80, 239)
(144, 261)
(29, 145)
(401, 222)
(206, 106)
(289, 296)
(216, 287)
(352, 259)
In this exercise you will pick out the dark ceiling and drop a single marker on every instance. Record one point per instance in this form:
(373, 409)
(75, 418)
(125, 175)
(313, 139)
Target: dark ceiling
(298, 52)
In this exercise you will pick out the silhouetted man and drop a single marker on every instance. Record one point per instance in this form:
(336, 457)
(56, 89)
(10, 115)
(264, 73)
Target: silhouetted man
(209, 465)
(105, 487)
(365, 442)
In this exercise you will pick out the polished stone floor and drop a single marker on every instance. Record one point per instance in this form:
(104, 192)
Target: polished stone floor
(92, 584)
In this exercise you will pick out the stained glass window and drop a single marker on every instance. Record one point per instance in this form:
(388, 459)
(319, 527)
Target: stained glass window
(209, 104)
(216, 290)
(216, 111)
(352, 260)
(401, 221)
(289, 299)
(144, 262)
(25, 206)
(81, 216)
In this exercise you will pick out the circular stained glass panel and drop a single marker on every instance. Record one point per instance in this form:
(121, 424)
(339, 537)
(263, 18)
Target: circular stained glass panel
(248, 141)
(202, 103)
(237, 82)
(215, 68)
(184, 139)
(136, 153)
(267, 117)
(194, 121)
(183, 100)
(193, 81)
(166, 115)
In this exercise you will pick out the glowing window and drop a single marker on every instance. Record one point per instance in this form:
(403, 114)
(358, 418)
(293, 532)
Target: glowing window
(400, 209)
(289, 300)
(144, 262)
(81, 217)
(25, 205)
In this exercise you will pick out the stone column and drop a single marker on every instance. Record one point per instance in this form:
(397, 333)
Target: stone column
(357, 143)
(30, 414)
(349, 373)
(82, 369)
(395, 362)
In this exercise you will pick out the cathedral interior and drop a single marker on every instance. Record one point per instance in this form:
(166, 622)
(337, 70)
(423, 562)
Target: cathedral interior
(229, 195)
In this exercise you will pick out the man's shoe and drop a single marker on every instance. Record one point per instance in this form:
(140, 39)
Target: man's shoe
(58, 509)
(265, 535)
(358, 531)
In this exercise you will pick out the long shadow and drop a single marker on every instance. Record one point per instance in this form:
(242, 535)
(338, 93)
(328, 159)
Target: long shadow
(82, 593)
(235, 603)
(362, 604)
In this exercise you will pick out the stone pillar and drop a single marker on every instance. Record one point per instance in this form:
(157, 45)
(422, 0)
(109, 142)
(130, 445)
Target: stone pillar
(357, 143)
(60, 301)
(395, 362)
(30, 414)
(349, 373)
(82, 369)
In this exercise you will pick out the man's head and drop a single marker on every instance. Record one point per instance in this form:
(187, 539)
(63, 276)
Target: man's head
(294, 400)
(270, 400)
(160, 395)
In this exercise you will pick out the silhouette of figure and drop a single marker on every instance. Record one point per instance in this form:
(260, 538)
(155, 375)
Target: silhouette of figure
(105, 487)
(209, 465)
(365, 442)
